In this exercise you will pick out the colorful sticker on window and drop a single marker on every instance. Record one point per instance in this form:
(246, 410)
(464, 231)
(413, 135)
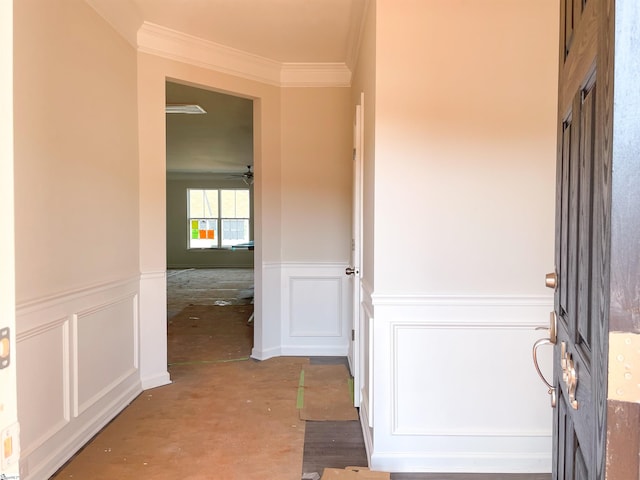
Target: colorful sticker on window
(203, 229)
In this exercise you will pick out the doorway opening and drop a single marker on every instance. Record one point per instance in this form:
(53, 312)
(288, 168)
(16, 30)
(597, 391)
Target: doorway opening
(210, 225)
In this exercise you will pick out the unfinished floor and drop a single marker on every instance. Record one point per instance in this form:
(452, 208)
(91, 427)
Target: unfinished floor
(225, 416)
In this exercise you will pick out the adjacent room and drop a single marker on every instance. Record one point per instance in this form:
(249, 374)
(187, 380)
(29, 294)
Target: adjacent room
(210, 227)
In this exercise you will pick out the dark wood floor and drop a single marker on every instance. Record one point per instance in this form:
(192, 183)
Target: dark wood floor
(341, 444)
(332, 444)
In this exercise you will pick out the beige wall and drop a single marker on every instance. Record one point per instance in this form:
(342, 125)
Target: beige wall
(364, 81)
(315, 165)
(76, 169)
(153, 72)
(463, 199)
(76, 223)
(465, 145)
(8, 376)
(317, 134)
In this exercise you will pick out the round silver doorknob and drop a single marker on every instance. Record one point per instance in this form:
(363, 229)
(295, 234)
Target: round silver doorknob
(551, 280)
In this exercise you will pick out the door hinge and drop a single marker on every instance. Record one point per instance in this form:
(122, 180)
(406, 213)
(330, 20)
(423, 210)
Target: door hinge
(5, 348)
(353, 335)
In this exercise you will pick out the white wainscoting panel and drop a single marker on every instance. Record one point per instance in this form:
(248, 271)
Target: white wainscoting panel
(366, 333)
(455, 389)
(77, 368)
(315, 311)
(366, 363)
(315, 307)
(44, 355)
(102, 359)
(267, 325)
(479, 362)
(153, 329)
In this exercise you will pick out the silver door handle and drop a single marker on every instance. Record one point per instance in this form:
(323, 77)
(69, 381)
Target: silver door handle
(552, 389)
(553, 337)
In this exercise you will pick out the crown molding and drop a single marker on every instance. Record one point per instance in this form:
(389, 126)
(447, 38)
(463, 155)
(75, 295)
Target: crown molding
(165, 42)
(315, 75)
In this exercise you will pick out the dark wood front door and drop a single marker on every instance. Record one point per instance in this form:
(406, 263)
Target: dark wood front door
(579, 350)
(597, 140)
(581, 237)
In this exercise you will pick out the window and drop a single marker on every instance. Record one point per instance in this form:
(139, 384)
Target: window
(217, 218)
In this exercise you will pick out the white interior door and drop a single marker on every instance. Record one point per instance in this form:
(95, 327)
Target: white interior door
(354, 269)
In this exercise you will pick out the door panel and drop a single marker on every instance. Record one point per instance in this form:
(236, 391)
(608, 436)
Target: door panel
(355, 346)
(597, 217)
(578, 433)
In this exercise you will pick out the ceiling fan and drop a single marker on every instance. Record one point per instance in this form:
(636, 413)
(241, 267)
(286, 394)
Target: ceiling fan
(247, 177)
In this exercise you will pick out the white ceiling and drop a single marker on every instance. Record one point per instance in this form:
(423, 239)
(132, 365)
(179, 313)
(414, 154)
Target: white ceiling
(314, 31)
(283, 31)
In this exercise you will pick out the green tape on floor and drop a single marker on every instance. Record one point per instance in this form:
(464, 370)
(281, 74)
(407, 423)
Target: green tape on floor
(300, 400)
(351, 388)
(206, 362)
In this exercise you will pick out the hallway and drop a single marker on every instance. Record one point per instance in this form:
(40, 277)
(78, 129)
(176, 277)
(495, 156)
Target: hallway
(225, 416)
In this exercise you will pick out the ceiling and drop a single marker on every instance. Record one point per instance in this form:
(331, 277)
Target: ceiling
(287, 31)
(298, 32)
(220, 141)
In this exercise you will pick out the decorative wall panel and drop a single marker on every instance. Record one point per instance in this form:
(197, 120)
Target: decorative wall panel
(454, 385)
(78, 368)
(316, 315)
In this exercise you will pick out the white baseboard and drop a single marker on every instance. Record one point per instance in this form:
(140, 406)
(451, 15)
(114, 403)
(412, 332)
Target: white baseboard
(47, 459)
(367, 433)
(155, 381)
(266, 354)
(314, 350)
(460, 462)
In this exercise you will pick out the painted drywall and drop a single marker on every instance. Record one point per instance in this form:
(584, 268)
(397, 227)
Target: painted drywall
(317, 134)
(8, 375)
(463, 209)
(279, 238)
(178, 255)
(76, 224)
(76, 169)
(465, 146)
(153, 72)
(364, 81)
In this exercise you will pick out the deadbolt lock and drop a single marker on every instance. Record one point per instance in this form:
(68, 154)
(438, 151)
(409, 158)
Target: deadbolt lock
(551, 280)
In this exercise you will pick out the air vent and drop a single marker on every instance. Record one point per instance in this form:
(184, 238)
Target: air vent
(188, 109)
